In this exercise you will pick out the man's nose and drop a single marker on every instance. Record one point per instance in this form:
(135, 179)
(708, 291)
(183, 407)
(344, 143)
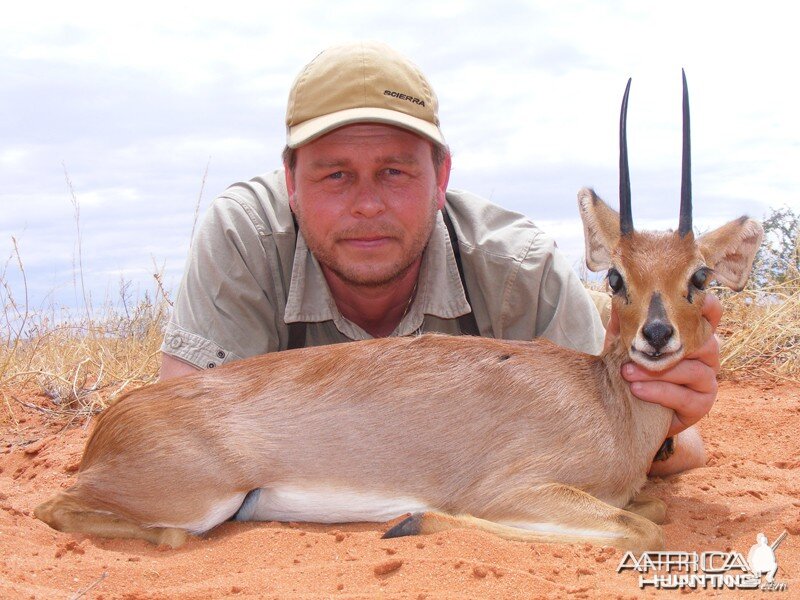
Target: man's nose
(367, 201)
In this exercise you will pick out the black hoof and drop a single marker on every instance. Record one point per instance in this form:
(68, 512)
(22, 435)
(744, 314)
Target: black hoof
(408, 526)
(667, 449)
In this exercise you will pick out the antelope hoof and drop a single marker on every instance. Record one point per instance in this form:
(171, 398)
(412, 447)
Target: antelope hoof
(667, 449)
(409, 526)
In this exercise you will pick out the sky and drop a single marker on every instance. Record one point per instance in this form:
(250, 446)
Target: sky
(118, 121)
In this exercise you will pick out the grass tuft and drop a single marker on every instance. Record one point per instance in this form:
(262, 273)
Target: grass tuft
(78, 366)
(760, 330)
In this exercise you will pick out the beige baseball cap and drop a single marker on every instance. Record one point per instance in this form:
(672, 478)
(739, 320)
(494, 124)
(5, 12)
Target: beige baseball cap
(362, 82)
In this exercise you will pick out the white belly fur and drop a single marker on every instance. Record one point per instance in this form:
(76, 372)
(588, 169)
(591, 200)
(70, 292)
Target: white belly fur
(330, 505)
(220, 512)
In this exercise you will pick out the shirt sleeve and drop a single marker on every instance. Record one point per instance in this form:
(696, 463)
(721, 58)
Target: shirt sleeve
(224, 310)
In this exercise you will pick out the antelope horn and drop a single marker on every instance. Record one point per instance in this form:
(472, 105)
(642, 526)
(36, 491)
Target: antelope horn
(625, 216)
(685, 223)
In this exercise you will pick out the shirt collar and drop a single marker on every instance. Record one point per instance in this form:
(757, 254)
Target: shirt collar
(439, 292)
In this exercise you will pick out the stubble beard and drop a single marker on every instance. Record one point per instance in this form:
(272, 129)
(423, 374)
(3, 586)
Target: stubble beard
(366, 275)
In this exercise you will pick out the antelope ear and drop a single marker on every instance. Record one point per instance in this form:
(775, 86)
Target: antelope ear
(731, 249)
(600, 229)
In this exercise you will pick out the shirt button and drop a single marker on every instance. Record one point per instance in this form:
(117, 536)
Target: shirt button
(211, 365)
(220, 354)
(176, 342)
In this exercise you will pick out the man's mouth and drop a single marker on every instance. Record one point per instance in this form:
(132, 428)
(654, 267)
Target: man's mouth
(367, 241)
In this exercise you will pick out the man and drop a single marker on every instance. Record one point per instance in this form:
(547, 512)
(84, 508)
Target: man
(761, 558)
(365, 177)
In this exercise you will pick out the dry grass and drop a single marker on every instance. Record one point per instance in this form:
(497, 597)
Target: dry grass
(79, 365)
(761, 333)
(71, 359)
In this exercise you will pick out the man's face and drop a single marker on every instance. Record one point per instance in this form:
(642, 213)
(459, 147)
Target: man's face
(366, 197)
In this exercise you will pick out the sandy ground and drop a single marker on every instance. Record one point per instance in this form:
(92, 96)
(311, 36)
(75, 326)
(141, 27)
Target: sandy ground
(751, 485)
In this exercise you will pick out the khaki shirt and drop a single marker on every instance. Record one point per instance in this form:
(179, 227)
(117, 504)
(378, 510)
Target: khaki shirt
(249, 274)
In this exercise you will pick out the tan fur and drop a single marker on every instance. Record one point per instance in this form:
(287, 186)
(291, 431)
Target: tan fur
(499, 431)
(658, 262)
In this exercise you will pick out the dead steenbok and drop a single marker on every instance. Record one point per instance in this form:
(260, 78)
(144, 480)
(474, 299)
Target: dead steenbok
(524, 439)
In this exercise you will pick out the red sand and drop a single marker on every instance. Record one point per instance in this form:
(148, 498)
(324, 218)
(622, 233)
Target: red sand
(751, 485)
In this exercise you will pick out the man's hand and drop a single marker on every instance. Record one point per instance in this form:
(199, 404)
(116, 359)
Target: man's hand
(690, 387)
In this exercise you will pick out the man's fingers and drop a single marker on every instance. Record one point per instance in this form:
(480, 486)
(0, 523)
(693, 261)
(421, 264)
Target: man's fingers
(695, 375)
(689, 388)
(689, 406)
(708, 353)
(677, 397)
(712, 310)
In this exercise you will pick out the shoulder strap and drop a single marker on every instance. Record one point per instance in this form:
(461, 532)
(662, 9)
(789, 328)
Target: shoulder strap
(297, 335)
(297, 330)
(466, 323)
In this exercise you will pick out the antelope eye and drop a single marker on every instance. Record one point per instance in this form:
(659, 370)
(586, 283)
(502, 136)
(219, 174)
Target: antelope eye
(699, 278)
(615, 280)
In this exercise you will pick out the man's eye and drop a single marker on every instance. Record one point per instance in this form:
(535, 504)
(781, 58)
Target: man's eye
(391, 171)
(336, 176)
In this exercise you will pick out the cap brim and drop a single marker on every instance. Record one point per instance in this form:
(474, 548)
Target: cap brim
(303, 133)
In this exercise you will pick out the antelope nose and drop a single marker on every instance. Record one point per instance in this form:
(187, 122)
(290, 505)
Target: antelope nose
(657, 333)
